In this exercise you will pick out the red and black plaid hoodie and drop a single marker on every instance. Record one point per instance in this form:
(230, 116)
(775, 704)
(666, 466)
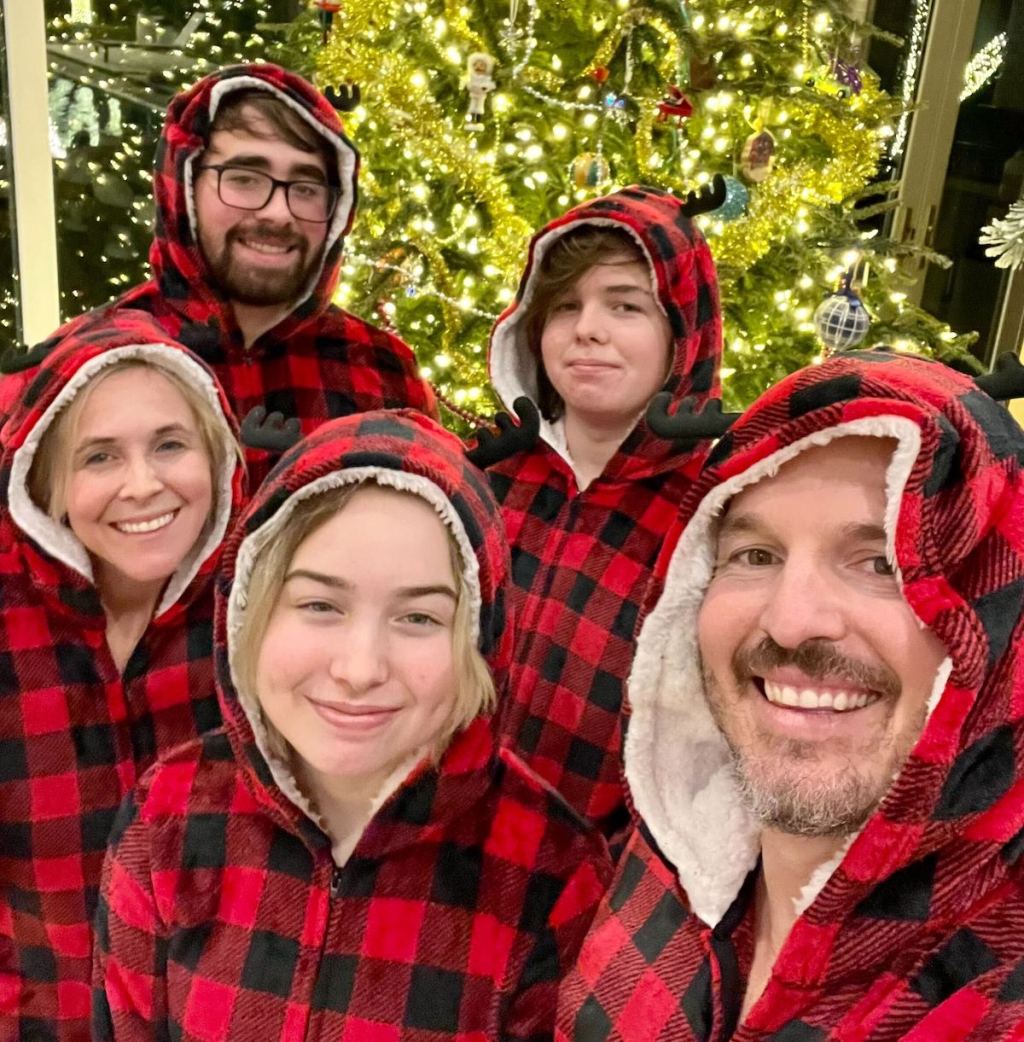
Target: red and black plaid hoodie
(224, 914)
(75, 731)
(581, 561)
(916, 930)
(316, 363)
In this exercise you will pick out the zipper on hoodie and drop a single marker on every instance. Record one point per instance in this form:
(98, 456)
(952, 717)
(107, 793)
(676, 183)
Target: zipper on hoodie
(336, 876)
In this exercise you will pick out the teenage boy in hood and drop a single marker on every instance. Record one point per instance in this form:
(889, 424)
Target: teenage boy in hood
(826, 747)
(619, 300)
(255, 187)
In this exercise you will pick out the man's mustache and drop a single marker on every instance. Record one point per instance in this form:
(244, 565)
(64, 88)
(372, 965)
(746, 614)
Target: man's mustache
(819, 659)
(267, 233)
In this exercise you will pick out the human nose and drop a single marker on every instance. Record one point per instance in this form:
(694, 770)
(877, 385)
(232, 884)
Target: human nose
(360, 661)
(276, 207)
(803, 602)
(590, 322)
(141, 479)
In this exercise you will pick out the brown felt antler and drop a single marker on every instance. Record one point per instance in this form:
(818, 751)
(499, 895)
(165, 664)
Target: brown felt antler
(15, 360)
(273, 432)
(1006, 381)
(685, 425)
(511, 437)
(709, 197)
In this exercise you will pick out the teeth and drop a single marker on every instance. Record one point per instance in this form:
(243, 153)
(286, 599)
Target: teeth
(138, 527)
(265, 247)
(808, 698)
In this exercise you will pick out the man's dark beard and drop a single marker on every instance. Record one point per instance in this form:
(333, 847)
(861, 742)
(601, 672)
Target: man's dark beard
(260, 288)
(782, 799)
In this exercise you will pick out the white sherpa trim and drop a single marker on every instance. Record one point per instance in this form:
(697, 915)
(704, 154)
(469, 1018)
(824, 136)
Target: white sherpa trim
(676, 760)
(513, 365)
(249, 551)
(58, 540)
(823, 873)
(347, 159)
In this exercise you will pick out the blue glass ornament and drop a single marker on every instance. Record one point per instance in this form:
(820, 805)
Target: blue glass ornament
(842, 321)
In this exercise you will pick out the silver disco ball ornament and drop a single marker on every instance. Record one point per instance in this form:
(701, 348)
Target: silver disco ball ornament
(842, 321)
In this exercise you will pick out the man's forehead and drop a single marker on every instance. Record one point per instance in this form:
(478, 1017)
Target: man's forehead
(847, 463)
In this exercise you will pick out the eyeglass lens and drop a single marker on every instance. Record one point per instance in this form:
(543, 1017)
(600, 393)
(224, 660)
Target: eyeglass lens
(251, 190)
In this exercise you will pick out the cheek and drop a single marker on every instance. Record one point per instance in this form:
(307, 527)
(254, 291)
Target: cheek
(194, 483)
(723, 622)
(87, 497)
(430, 674)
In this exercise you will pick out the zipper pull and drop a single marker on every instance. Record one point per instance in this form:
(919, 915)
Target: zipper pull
(336, 882)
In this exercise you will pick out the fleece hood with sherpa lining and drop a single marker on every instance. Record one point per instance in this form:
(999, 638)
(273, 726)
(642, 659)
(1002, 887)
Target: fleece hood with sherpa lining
(399, 449)
(914, 931)
(686, 288)
(175, 256)
(64, 373)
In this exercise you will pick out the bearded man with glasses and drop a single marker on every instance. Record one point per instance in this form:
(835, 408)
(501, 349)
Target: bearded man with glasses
(255, 189)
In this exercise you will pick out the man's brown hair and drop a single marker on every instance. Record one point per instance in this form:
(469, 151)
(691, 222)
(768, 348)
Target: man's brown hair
(236, 112)
(568, 260)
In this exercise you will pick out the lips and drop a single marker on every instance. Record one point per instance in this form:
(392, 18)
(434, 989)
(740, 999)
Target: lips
(145, 526)
(352, 716)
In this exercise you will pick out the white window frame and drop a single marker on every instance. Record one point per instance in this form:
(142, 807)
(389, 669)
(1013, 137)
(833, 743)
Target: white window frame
(29, 136)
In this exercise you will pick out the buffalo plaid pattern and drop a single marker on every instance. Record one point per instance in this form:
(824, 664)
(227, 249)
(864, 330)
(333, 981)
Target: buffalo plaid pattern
(223, 916)
(319, 362)
(75, 733)
(581, 561)
(917, 935)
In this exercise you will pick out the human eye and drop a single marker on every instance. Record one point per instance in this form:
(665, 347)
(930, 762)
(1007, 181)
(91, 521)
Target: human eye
(316, 606)
(308, 190)
(563, 306)
(96, 459)
(171, 445)
(627, 306)
(239, 178)
(881, 566)
(746, 558)
(421, 619)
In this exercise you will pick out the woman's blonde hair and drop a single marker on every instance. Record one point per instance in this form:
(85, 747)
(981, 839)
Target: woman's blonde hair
(474, 686)
(50, 474)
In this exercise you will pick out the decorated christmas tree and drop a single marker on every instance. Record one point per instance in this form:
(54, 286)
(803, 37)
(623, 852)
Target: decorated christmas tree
(480, 121)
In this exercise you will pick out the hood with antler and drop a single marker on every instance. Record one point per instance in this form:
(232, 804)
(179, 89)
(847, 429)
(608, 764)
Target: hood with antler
(914, 912)
(686, 288)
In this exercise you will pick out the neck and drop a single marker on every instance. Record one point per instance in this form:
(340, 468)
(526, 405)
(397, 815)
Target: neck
(787, 865)
(255, 319)
(592, 443)
(345, 804)
(128, 606)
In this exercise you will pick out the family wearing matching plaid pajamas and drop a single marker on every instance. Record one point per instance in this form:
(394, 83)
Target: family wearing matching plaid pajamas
(338, 861)
(79, 723)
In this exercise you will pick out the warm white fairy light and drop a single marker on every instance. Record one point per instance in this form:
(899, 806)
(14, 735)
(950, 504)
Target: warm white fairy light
(984, 65)
(912, 61)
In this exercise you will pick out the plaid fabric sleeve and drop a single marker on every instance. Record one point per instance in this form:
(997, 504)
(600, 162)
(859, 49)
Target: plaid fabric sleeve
(129, 995)
(531, 1011)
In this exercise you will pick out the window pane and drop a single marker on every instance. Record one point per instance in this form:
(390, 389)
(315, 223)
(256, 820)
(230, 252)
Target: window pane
(114, 66)
(9, 321)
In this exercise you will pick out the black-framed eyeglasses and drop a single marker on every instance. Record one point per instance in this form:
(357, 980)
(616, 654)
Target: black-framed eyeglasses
(248, 189)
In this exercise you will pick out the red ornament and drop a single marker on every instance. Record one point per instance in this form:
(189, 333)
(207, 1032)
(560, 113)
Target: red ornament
(675, 104)
(600, 74)
(327, 9)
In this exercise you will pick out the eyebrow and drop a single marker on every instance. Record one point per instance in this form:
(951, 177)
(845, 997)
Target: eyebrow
(335, 582)
(160, 432)
(751, 524)
(260, 162)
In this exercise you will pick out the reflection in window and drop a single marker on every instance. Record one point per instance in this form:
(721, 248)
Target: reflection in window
(114, 66)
